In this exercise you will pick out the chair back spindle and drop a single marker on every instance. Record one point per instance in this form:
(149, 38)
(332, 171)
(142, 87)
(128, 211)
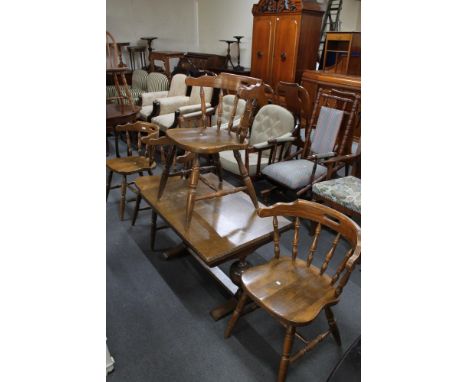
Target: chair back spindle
(276, 237)
(297, 225)
(313, 246)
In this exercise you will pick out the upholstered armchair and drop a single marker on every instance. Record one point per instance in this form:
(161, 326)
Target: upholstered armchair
(139, 86)
(271, 131)
(174, 107)
(154, 103)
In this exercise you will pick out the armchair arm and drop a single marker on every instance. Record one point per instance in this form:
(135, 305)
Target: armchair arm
(273, 141)
(317, 157)
(148, 98)
(349, 158)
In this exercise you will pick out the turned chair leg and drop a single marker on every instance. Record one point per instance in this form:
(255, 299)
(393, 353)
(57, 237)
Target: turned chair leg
(167, 168)
(137, 208)
(192, 189)
(246, 178)
(333, 326)
(235, 316)
(108, 186)
(154, 218)
(287, 346)
(219, 169)
(123, 192)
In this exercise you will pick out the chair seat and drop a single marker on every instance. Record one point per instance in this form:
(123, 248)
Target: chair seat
(164, 122)
(229, 163)
(290, 290)
(343, 191)
(294, 174)
(129, 165)
(205, 141)
(147, 182)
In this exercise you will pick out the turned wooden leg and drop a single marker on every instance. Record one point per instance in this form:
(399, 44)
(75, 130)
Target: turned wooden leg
(287, 346)
(333, 326)
(123, 192)
(235, 316)
(154, 218)
(108, 186)
(219, 169)
(246, 178)
(192, 189)
(137, 208)
(165, 174)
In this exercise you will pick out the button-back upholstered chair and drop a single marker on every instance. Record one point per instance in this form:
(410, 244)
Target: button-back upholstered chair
(295, 290)
(332, 113)
(131, 164)
(213, 140)
(156, 103)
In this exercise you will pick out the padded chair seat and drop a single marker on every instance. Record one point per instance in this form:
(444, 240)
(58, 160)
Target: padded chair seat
(229, 163)
(343, 191)
(294, 174)
(145, 112)
(129, 165)
(164, 122)
(282, 280)
(171, 104)
(205, 141)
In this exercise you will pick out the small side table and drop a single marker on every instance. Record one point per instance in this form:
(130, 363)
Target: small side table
(149, 41)
(140, 50)
(165, 57)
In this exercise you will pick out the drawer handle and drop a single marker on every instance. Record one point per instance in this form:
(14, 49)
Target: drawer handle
(259, 54)
(283, 56)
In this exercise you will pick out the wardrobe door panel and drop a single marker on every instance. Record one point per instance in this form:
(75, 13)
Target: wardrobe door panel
(286, 44)
(262, 47)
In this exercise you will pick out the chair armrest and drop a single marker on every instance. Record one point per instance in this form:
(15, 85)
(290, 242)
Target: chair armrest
(149, 98)
(273, 141)
(195, 108)
(343, 158)
(316, 157)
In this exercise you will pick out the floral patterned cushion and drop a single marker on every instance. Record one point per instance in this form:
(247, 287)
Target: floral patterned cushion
(343, 191)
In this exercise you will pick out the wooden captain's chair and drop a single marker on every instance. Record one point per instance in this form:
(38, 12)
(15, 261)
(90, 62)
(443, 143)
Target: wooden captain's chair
(213, 140)
(294, 290)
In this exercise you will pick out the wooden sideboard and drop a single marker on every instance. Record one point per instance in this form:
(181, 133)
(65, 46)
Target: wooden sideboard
(312, 80)
(285, 39)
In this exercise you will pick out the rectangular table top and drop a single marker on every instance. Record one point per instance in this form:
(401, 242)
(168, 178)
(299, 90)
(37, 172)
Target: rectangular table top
(221, 228)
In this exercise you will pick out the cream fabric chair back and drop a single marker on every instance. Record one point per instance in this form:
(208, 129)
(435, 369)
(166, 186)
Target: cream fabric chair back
(178, 87)
(271, 121)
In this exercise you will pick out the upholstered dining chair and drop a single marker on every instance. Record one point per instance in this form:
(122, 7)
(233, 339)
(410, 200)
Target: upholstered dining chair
(132, 164)
(294, 290)
(332, 117)
(342, 194)
(213, 140)
(154, 103)
(272, 128)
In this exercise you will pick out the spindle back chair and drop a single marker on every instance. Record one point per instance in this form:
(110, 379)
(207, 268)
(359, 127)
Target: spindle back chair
(132, 164)
(297, 100)
(294, 290)
(118, 74)
(213, 140)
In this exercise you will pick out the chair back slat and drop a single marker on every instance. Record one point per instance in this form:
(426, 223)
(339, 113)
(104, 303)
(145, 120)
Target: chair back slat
(139, 143)
(330, 254)
(203, 106)
(297, 225)
(276, 237)
(313, 246)
(233, 113)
